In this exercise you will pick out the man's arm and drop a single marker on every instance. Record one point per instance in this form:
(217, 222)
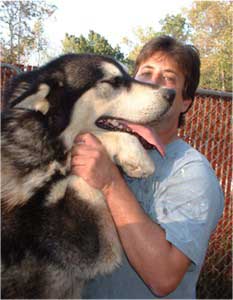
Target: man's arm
(160, 264)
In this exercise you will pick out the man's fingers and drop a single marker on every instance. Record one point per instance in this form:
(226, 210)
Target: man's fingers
(80, 160)
(79, 149)
(87, 138)
(77, 170)
(85, 152)
(76, 161)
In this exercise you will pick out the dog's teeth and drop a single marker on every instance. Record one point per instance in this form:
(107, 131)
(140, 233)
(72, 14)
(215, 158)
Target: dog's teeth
(114, 123)
(120, 126)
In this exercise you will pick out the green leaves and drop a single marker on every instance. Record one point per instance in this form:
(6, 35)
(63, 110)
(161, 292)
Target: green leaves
(206, 24)
(93, 43)
(18, 19)
(212, 35)
(176, 26)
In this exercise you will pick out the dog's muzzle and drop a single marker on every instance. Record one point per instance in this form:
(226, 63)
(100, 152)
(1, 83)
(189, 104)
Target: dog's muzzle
(168, 94)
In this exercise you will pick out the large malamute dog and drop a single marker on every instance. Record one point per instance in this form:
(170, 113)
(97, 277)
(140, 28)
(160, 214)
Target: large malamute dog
(56, 230)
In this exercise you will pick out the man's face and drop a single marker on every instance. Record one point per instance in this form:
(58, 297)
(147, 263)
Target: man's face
(161, 69)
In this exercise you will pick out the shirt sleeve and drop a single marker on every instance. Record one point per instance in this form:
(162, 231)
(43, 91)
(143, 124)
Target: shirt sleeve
(188, 205)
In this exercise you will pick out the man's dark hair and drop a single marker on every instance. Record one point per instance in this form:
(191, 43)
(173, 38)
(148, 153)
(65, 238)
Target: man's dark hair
(186, 56)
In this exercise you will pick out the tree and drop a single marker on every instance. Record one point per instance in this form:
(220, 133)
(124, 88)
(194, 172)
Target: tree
(94, 43)
(17, 21)
(40, 44)
(212, 35)
(176, 26)
(141, 36)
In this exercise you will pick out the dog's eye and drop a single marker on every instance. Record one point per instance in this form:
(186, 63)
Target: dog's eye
(115, 82)
(118, 81)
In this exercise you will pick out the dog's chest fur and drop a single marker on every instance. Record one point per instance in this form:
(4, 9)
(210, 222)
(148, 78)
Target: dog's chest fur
(61, 234)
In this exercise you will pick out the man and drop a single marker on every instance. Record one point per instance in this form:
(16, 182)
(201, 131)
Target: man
(164, 222)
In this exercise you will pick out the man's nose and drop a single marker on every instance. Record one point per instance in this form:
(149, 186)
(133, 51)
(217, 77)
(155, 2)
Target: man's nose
(156, 79)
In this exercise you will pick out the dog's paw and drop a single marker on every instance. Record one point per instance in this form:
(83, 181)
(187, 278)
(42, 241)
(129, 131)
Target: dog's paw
(128, 153)
(138, 170)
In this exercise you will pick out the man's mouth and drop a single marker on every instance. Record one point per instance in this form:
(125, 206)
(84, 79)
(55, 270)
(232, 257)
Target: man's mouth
(145, 134)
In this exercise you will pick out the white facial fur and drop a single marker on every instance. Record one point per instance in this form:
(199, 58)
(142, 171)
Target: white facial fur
(140, 103)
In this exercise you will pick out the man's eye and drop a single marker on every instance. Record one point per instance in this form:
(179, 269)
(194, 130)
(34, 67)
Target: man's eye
(169, 79)
(144, 75)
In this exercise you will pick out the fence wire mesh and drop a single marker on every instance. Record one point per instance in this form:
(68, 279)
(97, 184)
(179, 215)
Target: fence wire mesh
(208, 129)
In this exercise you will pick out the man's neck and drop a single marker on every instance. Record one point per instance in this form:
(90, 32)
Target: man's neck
(167, 136)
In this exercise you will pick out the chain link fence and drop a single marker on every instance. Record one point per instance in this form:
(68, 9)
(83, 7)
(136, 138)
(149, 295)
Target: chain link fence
(208, 129)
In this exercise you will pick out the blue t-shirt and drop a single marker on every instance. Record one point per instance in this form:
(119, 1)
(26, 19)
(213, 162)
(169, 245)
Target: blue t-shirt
(184, 197)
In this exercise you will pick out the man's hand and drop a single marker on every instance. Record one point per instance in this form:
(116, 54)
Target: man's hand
(90, 160)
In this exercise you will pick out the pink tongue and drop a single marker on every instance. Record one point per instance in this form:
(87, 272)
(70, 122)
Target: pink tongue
(148, 134)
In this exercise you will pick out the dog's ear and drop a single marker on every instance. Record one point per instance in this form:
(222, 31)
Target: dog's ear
(36, 101)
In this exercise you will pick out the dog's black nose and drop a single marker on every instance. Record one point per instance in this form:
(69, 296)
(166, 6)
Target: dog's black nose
(169, 94)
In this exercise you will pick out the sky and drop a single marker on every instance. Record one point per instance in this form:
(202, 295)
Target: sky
(114, 19)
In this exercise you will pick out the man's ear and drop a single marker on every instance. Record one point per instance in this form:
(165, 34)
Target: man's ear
(186, 105)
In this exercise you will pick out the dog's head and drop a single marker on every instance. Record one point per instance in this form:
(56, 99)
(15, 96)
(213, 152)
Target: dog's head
(79, 93)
